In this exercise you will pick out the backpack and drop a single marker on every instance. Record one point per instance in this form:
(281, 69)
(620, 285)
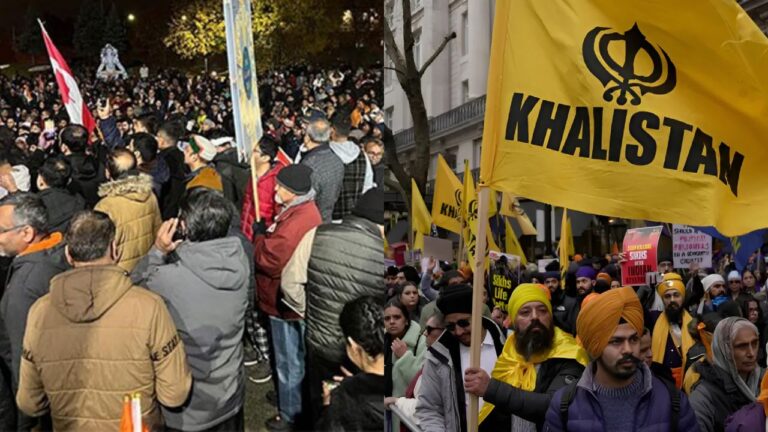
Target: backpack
(674, 395)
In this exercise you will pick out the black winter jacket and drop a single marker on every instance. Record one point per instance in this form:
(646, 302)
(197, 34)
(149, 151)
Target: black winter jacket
(87, 174)
(235, 175)
(715, 397)
(345, 264)
(61, 205)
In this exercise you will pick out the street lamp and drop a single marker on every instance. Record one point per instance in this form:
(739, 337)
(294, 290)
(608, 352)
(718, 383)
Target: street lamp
(131, 17)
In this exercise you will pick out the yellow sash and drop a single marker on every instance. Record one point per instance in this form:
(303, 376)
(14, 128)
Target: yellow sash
(661, 333)
(513, 369)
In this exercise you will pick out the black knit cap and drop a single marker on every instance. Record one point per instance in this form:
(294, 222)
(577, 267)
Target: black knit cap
(370, 206)
(455, 299)
(296, 178)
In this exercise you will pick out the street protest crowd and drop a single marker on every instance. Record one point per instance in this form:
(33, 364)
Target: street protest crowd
(134, 260)
(581, 354)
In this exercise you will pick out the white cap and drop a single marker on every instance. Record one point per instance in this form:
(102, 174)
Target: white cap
(205, 148)
(734, 275)
(710, 280)
(222, 141)
(20, 175)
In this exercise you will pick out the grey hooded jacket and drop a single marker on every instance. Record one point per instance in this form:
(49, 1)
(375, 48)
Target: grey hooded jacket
(205, 286)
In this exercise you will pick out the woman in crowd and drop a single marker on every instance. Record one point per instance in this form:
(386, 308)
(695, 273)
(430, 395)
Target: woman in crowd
(356, 405)
(408, 294)
(405, 347)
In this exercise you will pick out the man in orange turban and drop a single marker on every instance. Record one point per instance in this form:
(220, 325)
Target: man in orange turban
(671, 340)
(617, 391)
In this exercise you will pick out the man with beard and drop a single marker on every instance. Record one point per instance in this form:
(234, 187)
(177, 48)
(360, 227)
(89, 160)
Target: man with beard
(442, 402)
(563, 307)
(671, 339)
(617, 391)
(537, 360)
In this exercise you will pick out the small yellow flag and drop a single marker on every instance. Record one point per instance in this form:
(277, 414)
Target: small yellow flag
(447, 201)
(512, 245)
(510, 206)
(420, 219)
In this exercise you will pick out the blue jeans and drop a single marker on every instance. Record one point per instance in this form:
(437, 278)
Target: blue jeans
(288, 343)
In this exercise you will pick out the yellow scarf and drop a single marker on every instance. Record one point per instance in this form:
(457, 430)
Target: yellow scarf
(661, 333)
(513, 369)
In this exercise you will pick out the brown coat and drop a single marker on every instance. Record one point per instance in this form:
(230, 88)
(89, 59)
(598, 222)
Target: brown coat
(94, 339)
(133, 208)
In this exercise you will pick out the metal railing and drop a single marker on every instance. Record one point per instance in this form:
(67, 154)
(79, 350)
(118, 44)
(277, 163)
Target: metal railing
(395, 412)
(462, 116)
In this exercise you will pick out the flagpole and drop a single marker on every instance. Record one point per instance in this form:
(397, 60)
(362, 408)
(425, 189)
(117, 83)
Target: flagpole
(477, 299)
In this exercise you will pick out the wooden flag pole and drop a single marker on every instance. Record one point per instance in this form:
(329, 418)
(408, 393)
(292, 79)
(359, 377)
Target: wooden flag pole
(477, 299)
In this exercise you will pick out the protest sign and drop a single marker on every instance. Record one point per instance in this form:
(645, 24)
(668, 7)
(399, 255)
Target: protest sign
(640, 247)
(501, 283)
(690, 246)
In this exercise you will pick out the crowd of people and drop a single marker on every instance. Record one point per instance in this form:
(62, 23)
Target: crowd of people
(686, 354)
(145, 257)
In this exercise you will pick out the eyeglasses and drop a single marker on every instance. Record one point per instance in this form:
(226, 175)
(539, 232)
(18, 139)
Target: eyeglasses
(13, 228)
(430, 329)
(463, 323)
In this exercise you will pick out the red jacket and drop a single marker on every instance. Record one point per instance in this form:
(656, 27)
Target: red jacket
(268, 208)
(271, 252)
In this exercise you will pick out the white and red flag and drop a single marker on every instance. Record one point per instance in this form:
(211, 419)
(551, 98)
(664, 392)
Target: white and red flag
(70, 93)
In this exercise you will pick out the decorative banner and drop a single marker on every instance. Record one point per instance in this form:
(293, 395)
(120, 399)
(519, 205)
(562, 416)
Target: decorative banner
(690, 246)
(242, 75)
(640, 247)
(632, 93)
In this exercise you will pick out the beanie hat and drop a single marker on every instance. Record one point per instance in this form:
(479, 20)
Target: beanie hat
(455, 299)
(710, 280)
(734, 275)
(296, 178)
(552, 275)
(411, 274)
(202, 147)
(370, 206)
(586, 272)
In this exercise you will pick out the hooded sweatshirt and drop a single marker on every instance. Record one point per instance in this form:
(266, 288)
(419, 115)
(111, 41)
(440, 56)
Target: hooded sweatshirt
(205, 286)
(95, 338)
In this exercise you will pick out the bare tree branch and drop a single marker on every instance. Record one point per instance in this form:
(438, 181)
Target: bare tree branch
(437, 52)
(393, 69)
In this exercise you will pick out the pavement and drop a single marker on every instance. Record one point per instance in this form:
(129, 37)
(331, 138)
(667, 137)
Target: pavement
(257, 409)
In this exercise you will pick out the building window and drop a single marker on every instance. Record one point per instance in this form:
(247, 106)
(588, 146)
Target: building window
(464, 33)
(415, 5)
(388, 114)
(388, 72)
(417, 47)
(389, 11)
(464, 91)
(450, 158)
(476, 146)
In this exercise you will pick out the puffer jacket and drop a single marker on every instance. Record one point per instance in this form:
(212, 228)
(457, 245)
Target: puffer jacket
(268, 207)
(29, 278)
(344, 265)
(327, 178)
(747, 419)
(653, 413)
(87, 175)
(132, 206)
(205, 285)
(94, 339)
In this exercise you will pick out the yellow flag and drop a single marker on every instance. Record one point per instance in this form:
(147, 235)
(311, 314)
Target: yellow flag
(618, 106)
(569, 234)
(493, 206)
(446, 201)
(510, 206)
(471, 229)
(420, 219)
(512, 245)
(565, 245)
(418, 241)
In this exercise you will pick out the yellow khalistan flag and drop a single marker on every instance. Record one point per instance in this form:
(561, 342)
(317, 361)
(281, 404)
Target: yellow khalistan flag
(512, 245)
(566, 245)
(421, 221)
(470, 212)
(511, 207)
(636, 100)
(446, 201)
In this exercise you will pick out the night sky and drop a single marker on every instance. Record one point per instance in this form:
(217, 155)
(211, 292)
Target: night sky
(60, 15)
